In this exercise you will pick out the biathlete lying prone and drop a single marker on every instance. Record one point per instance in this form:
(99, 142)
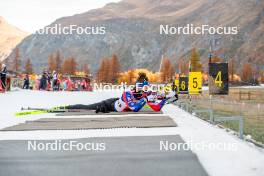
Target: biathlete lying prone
(130, 101)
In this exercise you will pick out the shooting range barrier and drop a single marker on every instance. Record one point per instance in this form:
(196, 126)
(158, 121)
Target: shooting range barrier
(189, 107)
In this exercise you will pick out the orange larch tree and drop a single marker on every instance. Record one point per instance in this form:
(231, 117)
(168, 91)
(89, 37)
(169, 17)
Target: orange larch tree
(247, 72)
(28, 67)
(17, 61)
(69, 66)
(51, 63)
(86, 69)
(114, 69)
(102, 71)
(167, 71)
(58, 62)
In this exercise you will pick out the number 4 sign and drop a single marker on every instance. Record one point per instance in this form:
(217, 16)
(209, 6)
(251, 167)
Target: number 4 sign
(218, 78)
(195, 82)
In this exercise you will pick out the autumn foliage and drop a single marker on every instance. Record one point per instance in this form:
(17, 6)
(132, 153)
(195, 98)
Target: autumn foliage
(131, 76)
(231, 70)
(167, 71)
(247, 72)
(17, 61)
(109, 70)
(183, 66)
(195, 64)
(216, 59)
(55, 62)
(28, 67)
(85, 69)
(69, 66)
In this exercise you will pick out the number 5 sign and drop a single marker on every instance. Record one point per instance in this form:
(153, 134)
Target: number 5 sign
(218, 78)
(195, 82)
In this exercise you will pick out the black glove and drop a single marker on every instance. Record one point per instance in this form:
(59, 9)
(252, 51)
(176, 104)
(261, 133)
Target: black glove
(172, 99)
(176, 97)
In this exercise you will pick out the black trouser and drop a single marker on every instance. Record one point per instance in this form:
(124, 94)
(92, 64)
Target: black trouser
(26, 85)
(103, 106)
(55, 85)
(3, 80)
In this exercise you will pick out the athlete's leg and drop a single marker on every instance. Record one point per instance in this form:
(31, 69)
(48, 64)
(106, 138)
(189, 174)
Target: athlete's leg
(106, 104)
(110, 104)
(82, 106)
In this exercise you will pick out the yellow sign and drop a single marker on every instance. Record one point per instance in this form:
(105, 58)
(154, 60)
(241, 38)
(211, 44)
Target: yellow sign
(183, 85)
(176, 84)
(195, 82)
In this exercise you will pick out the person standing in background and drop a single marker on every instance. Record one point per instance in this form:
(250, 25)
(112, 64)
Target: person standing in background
(43, 81)
(55, 83)
(26, 82)
(3, 76)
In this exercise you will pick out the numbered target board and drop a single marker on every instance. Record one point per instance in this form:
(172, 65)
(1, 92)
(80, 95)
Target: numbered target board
(218, 78)
(183, 85)
(176, 85)
(195, 82)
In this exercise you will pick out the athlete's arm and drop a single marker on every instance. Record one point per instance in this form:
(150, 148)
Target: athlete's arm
(157, 106)
(171, 97)
(133, 105)
(138, 105)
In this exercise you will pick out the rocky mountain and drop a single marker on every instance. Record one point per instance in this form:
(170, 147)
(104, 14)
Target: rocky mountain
(132, 31)
(10, 36)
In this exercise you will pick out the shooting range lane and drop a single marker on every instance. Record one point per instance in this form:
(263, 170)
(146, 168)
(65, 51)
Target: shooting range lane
(81, 113)
(128, 156)
(74, 123)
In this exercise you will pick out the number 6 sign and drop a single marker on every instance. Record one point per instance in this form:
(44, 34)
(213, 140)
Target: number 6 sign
(183, 85)
(218, 78)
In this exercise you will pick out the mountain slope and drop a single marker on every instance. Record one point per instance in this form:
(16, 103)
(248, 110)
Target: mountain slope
(132, 32)
(10, 36)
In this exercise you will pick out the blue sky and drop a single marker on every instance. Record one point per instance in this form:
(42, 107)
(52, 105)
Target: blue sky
(31, 15)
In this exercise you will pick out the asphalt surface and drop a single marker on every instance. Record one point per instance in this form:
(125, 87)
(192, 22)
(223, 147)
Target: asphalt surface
(123, 156)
